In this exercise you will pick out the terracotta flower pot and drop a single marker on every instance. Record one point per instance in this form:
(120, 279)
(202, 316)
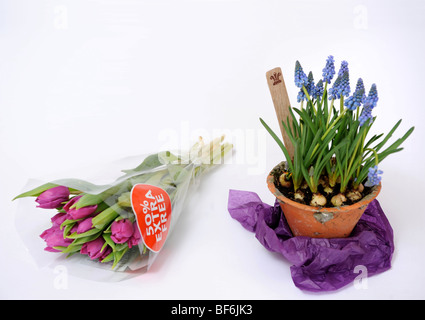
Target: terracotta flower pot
(317, 222)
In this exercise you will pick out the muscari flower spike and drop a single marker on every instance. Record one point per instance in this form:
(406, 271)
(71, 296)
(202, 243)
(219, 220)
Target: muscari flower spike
(369, 103)
(310, 87)
(360, 85)
(373, 177)
(300, 77)
(318, 91)
(343, 68)
(365, 115)
(372, 97)
(341, 85)
(329, 70)
(344, 89)
(310, 84)
(301, 96)
(357, 98)
(333, 92)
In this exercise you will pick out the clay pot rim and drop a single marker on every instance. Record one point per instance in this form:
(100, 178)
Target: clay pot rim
(364, 202)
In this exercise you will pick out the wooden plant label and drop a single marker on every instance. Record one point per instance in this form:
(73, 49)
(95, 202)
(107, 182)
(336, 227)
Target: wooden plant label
(281, 103)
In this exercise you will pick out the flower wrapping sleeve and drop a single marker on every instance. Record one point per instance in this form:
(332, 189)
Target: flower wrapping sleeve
(110, 224)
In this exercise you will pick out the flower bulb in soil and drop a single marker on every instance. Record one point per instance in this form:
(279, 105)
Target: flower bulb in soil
(284, 182)
(299, 196)
(318, 200)
(354, 195)
(338, 200)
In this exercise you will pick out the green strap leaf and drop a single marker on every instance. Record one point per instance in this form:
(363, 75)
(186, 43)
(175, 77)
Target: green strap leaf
(388, 136)
(84, 234)
(109, 241)
(83, 240)
(307, 119)
(117, 256)
(36, 191)
(280, 143)
(108, 258)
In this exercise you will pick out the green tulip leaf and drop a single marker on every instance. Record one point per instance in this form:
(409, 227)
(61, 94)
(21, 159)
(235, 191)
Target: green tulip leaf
(36, 191)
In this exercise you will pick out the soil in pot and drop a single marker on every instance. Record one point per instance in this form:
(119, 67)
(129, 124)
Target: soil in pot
(288, 192)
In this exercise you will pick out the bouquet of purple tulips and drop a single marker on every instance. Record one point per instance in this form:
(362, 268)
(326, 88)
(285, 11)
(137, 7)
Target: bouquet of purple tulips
(125, 223)
(70, 224)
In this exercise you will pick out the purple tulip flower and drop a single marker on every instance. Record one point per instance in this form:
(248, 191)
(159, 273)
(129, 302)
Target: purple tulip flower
(85, 225)
(121, 230)
(78, 213)
(59, 218)
(54, 238)
(94, 249)
(135, 238)
(53, 198)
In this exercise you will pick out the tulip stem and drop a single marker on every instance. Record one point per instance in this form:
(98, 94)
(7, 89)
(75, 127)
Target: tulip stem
(106, 216)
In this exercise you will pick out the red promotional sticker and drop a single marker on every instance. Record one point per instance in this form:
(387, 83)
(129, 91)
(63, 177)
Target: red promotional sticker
(152, 207)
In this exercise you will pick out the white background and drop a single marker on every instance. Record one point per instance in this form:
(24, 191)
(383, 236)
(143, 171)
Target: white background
(85, 83)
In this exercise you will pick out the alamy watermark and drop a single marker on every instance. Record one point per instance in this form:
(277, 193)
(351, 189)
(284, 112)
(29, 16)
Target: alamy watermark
(360, 282)
(60, 282)
(249, 145)
(360, 20)
(60, 17)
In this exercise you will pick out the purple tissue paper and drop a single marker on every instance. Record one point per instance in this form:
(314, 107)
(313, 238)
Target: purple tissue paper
(318, 264)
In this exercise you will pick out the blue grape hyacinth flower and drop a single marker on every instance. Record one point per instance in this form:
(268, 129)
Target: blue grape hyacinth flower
(301, 96)
(369, 103)
(360, 85)
(334, 91)
(344, 89)
(310, 88)
(357, 98)
(329, 70)
(373, 177)
(365, 115)
(300, 77)
(372, 97)
(341, 86)
(310, 84)
(318, 90)
(343, 68)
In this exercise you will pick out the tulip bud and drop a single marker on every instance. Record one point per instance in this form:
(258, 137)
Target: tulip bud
(85, 225)
(135, 238)
(121, 230)
(54, 238)
(94, 249)
(78, 213)
(53, 198)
